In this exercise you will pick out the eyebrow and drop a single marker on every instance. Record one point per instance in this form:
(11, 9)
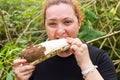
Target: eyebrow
(53, 19)
(67, 18)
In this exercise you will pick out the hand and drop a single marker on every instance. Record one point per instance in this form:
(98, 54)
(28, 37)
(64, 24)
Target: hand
(22, 70)
(80, 50)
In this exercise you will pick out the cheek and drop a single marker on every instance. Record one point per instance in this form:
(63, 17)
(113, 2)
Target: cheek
(50, 33)
(73, 31)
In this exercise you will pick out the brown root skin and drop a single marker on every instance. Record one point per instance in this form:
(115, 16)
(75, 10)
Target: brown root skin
(50, 55)
(32, 53)
(35, 54)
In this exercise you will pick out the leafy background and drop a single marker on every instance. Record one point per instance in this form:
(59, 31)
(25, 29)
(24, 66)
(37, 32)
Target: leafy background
(22, 21)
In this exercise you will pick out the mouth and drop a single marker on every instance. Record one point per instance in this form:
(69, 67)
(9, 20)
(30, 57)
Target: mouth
(62, 37)
(66, 51)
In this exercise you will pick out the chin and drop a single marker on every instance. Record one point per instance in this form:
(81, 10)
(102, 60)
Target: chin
(64, 54)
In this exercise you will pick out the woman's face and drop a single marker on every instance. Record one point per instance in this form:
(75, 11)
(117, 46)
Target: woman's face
(61, 22)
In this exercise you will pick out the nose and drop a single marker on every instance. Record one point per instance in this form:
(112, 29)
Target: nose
(60, 30)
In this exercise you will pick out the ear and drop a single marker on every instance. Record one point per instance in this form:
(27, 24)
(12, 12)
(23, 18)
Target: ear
(80, 22)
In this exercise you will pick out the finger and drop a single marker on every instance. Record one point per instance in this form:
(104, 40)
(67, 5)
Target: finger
(77, 42)
(23, 70)
(84, 47)
(74, 48)
(27, 76)
(69, 40)
(18, 62)
(28, 72)
(26, 68)
(74, 41)
(24, 76)
(79, 50)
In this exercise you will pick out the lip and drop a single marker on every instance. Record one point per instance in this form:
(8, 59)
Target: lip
(63, 37)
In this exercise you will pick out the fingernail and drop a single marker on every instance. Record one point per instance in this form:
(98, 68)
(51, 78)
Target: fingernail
(21, 64)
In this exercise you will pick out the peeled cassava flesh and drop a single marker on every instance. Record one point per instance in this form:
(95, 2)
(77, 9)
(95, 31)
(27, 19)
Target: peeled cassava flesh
(35, 54)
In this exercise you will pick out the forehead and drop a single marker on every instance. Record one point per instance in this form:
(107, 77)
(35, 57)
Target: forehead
(60, 10)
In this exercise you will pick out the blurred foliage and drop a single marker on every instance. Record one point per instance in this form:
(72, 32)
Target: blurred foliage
(102, 17)
(22, 21)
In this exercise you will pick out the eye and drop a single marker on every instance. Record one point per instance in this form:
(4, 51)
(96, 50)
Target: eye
(52, 24)
(68, 22)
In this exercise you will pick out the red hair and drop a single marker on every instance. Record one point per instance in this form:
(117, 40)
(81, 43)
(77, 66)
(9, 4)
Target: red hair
(74, 3)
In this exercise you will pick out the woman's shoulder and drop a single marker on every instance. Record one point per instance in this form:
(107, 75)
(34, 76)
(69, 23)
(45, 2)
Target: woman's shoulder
(101, 58)
(97, 55)
(95, 50)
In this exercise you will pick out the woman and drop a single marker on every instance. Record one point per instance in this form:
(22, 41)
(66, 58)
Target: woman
(62, 19)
